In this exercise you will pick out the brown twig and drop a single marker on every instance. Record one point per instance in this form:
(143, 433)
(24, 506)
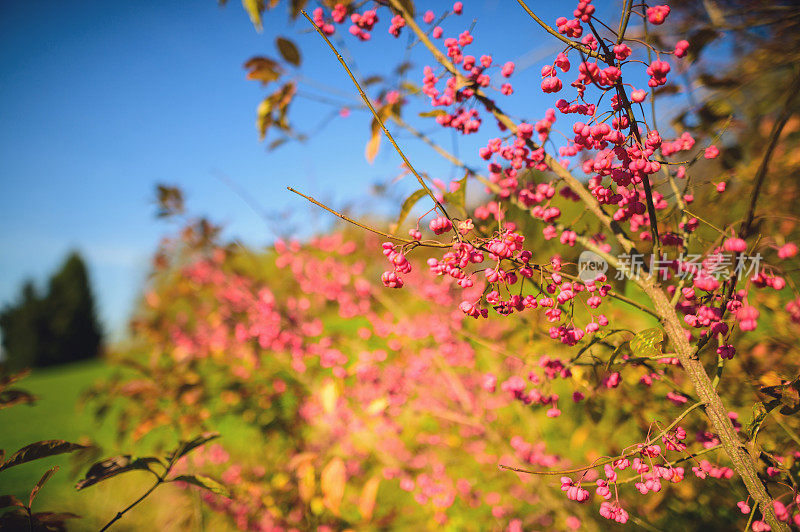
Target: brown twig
(610, 460)
(427, 243)
(578, 46)
(378, 119)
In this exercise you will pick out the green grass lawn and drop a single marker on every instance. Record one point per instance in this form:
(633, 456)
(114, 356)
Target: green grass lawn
(55, 415)
(58, 414)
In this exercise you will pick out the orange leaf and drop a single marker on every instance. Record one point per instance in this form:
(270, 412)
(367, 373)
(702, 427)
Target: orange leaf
(262, 69)
(306, 481)
(332, 482)
(372, 146)
(366, 502)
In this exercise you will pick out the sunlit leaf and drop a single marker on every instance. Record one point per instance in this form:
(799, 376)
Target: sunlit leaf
(207, 483)
(254, 8)
(306, 481)
(377, 406)
(646, 343)
(332, 483)
(264, 117)
(41, 449)
(328, 396)
(408, 204)
(373, 145)
(300, 459)
(366, 501)
(410, 87)
(459, 197)
(49, 473)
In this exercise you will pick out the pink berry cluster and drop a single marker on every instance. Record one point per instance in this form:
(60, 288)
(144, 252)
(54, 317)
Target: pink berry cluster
(398, 260)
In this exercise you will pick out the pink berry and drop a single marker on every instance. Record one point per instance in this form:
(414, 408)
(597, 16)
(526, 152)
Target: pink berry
(711, 152)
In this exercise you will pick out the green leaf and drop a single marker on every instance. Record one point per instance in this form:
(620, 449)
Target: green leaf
(111, 467)
(207, 483)
(408, 204)
(624, 346)
(49, 473)
(760, 413)
(435, 112)
(646, 343)
(41, 449)
(288, 51)
(188, 446)
(459, 197)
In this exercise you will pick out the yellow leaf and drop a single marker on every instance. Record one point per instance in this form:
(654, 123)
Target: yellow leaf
(377, 406)
(306, 481)
(328, 396)
(254, 8)
(264, 117)
(372, 146)
(366, 502)
(332, 483)
(770, 378)
(299, 459)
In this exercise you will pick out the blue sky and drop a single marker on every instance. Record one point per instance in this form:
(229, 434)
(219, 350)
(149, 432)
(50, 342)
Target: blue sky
(99, 101)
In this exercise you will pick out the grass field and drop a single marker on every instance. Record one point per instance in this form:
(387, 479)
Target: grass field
(58, 414)
(55, 415)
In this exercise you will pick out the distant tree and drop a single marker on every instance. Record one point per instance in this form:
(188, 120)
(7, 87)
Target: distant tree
(24, 329)
(56, 328)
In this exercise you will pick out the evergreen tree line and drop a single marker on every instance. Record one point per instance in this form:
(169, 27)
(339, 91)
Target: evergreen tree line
(54, 327)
